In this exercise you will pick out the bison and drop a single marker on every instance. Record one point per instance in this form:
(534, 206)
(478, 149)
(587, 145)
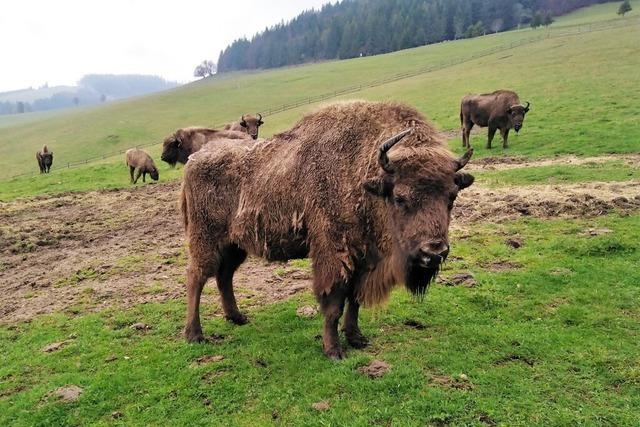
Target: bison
(45, 159)
(178, 146)
(248, 124)
(141, 160)
(498, 110)
(368, 200)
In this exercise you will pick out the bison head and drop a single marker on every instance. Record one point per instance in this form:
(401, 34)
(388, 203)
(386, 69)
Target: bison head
(419, 190)
(154, 174)
(173, 150)
(251, 124)
(516, 115)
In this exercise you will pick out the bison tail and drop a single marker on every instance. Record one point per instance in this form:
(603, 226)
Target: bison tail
(183, 206)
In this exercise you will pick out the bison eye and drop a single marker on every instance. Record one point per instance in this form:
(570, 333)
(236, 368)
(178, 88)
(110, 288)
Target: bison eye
(400, 200)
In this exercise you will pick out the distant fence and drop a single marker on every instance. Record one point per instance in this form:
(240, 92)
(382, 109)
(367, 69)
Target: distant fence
(545, 34)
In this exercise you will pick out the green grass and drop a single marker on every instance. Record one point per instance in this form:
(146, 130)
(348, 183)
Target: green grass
(604, 11)
(559, 174)
(554, 342)
(576, 107)
(101, 176)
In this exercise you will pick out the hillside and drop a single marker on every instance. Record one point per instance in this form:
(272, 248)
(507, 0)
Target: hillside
(532, 321)
(537, 70)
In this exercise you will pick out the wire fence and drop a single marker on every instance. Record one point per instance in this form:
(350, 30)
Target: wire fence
(547, 34)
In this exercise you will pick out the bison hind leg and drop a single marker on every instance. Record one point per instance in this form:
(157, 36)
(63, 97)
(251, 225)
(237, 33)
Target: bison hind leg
(232, 257)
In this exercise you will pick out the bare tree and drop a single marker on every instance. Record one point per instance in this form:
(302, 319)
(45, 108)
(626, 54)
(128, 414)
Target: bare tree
(496, 25)
(205, 69)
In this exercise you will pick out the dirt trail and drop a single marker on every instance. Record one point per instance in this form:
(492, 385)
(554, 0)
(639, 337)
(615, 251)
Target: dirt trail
(86, 251)
(513, 162)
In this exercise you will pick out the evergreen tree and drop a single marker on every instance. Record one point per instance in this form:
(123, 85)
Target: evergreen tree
(624, 8)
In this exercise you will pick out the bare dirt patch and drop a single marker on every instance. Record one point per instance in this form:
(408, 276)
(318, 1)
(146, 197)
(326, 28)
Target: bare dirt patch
(514, 162)
(82, 252)
(87, 251)
(582, 200)
(375, 369)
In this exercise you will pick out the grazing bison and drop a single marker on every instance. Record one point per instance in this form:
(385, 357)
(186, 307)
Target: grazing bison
(182, 143)
(248, 124)
(45, 159)
(368, 200)
(498, 110)
(141, 160)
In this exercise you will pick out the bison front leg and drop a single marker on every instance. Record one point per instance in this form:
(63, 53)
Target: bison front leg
(466, 134)
(135, 181)
(352, 332)
(232, 257)
(505, 137)
(332, 306)
(492, 132)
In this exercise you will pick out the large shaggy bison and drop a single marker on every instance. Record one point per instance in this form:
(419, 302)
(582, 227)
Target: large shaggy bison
(498, 110)
(178, 146)
(45, 159)
(368, 200)
(248, 124)
(141, 160)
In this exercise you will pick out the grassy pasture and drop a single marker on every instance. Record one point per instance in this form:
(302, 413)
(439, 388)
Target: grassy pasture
(550, 340)
(548, 334)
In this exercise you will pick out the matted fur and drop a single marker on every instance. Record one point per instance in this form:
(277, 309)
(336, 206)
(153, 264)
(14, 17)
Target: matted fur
(301, 192)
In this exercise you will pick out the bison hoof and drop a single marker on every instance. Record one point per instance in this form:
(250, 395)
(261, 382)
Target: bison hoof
(356, 339)
(194, 337)
(335, 353)
(237, 319)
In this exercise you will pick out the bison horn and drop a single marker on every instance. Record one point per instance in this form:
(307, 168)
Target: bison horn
(526, 108)
(383, 159)
(464, 159)
(259, 117)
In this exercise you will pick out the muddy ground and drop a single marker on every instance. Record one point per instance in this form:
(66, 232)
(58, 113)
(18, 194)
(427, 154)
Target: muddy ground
(87, 251)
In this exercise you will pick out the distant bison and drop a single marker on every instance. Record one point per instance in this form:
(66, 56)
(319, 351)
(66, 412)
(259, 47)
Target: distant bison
(45, 159)
(178, 146)
(141, 160)
(248, 124)
(333, 188)
(498, 110)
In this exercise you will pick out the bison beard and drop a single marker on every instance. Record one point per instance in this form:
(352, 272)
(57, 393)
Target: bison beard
(418, 278)
(370, 212)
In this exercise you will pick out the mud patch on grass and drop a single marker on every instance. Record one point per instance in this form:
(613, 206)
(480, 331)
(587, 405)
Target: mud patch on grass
(116, 248)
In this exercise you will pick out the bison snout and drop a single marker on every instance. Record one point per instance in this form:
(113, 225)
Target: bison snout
(254, 136)
(517, 128)
(432, 254)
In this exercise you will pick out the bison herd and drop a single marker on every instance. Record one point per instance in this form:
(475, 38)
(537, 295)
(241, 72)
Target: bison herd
(368, 200)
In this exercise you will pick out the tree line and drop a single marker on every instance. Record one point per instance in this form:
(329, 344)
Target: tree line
(353, 28)
(92, 89)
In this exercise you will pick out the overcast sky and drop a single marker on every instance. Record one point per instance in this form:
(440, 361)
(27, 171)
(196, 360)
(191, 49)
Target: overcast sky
(58, 41)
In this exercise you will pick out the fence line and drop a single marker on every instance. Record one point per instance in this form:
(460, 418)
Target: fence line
(549, 34)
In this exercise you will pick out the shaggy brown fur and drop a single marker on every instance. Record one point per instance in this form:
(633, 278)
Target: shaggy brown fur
(248, 124)
(325, 189)
(498, 110)
(178, 146)
(141, 160)
(45, 159)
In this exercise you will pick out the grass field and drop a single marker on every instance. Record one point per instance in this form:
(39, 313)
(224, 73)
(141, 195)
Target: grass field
(548, 336)
(569, 114)
(545, 333)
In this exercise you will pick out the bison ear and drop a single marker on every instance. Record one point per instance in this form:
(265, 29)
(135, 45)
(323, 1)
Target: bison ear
(378, 187)
(463, 180)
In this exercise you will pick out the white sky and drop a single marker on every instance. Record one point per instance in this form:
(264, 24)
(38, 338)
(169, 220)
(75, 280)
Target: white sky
(58, 41)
